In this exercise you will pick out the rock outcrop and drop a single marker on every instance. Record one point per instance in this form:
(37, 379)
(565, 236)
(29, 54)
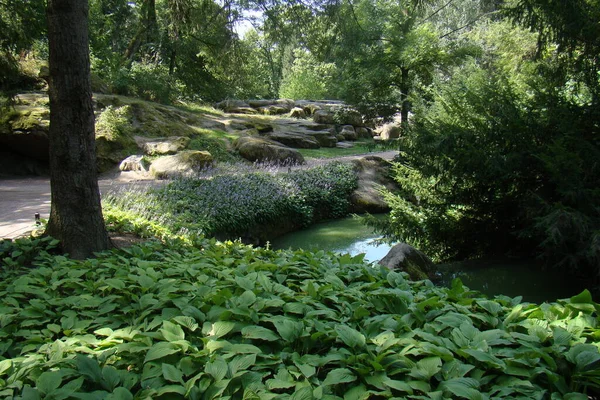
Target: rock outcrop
(294, 139)
(134, 163)
(323, 117)
(373, 175)
(297, 112)
(185, 163)
(348, 132)
(410, 260)
(264, 150)
(162, 146)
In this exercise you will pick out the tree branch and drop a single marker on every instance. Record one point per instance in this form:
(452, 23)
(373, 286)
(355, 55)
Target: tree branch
(437, 11)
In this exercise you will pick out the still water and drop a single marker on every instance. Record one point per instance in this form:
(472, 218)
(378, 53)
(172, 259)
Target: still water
(492, 277)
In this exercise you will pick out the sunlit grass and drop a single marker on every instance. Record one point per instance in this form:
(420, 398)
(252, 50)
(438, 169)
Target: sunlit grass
(198, 108)
(362, 146)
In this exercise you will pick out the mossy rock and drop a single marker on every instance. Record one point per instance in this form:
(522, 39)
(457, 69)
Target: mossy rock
(24, 119)
(185, 163)
(410, 260)
(264, 150)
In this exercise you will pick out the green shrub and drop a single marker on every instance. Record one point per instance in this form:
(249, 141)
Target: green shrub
(502, 160)
(20, 252)
(235, 203)
(217, 147)
(222, 320)
(114, 123)
(146, 81)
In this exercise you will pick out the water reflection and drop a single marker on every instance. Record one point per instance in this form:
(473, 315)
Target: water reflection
(492, 277)
(345, 235)
(512, 278)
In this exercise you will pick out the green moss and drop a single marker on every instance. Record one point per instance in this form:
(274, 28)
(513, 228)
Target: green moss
(26, 119)
(160, 121)
(199, 108)
(217, 143)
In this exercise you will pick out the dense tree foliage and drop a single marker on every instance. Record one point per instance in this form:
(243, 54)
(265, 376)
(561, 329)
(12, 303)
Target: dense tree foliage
(502, 157)
(21, 24)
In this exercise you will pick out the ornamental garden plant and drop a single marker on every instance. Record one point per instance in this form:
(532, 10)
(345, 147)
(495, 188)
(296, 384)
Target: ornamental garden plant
(204, 319)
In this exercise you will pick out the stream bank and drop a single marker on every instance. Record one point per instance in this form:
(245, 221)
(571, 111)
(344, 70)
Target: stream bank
(509, 277)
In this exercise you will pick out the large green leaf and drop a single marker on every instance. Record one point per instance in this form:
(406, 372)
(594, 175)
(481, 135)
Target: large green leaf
(246, 299)
(426, 368)
(111, 377)
(304, 393)
(259, 332)
(338, 376)
(5, 366)
(466, 388)
(48, 382)
(120, 393)
(172, 332)
(221, 328)
(172, 373)
(584, 297)
(217, 369)
(485, 357)
(351, 337)
(160, 350)
(398, 385)
(89, 367)
(289, 329)
(241, 363)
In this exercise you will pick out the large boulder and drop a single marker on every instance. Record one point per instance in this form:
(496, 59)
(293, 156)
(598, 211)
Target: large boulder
(260, 103)
(310, 109)
(325, 138)
(162, 146)
(273, 110)
(235, 106)
(263, 127)
(388, 131)
(316, 127)
(349, 116)
(410, 260)
(373, 176)
(297, 112)
(363, 133)
(323, 117)
(296, 140)
(134, 163)
(185, 163)
(264, 150)
(348, 132)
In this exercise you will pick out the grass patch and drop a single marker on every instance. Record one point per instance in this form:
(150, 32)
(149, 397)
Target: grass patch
(223, 320)
(362, 146)
(199, 108)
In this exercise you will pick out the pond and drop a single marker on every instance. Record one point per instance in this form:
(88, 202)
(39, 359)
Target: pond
(492, 277)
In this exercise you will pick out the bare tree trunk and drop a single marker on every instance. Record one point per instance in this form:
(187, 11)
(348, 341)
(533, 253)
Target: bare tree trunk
(405, 104)
(76, 215)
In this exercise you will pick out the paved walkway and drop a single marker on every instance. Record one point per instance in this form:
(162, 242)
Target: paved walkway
(22, 198)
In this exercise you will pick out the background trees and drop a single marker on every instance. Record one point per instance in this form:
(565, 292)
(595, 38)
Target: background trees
(501, 157)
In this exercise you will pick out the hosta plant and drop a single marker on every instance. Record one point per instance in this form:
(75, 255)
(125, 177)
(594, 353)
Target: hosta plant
(224, 320)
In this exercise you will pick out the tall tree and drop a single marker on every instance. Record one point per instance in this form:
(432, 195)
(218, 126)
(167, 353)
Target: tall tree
(75, 215)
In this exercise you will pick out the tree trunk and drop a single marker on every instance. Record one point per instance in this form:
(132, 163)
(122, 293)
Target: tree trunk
(405, 104)
(75, 215)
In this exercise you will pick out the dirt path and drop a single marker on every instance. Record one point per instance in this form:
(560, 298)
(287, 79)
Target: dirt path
(22, 198)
